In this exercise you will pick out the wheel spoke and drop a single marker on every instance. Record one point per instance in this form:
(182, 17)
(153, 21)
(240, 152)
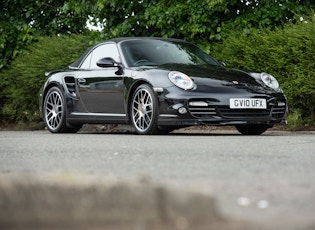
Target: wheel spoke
(147, 100)
(146, 121)
(49, 104)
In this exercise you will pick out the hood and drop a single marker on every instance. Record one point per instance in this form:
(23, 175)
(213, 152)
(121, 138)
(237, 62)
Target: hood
(207, 78)
(220, 75)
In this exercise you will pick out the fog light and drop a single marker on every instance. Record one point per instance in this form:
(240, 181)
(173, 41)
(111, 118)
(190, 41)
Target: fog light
(182, 110)
(280, 103)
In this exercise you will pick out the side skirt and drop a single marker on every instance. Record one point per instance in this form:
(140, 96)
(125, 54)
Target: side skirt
(97, 118)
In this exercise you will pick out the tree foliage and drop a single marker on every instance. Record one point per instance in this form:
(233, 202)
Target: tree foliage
(21, 21)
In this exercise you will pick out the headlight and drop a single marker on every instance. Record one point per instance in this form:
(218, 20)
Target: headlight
(181, 80)
(269, 80)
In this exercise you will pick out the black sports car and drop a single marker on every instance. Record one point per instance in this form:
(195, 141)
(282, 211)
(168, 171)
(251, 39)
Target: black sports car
(158, 85)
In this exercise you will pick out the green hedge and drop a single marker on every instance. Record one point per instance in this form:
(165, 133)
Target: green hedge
(287, 53)
(20, 83)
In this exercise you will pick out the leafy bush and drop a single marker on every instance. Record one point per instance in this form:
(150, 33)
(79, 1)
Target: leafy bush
(21, 82)
(287, 53)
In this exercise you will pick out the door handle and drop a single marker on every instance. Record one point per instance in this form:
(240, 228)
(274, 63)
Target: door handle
(81, 81)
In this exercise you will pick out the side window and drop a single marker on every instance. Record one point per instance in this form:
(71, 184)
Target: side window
(107, 50)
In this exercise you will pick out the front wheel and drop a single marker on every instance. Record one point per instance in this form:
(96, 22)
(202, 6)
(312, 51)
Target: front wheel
(144, 110)
(252, 129)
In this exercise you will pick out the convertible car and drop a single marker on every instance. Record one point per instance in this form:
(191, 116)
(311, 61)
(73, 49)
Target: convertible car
(158, 85)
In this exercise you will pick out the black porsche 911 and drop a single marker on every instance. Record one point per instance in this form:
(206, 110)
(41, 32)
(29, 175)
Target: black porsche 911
(158, 85)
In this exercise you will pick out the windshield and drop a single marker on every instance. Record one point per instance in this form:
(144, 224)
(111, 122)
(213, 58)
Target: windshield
(158, 52)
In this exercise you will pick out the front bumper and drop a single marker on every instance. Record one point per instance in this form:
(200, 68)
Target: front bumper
(180, 108)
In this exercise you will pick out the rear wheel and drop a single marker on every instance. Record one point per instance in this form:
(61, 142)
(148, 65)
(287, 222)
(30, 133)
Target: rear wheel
(252, 129)
(54, 112)
(144, 110)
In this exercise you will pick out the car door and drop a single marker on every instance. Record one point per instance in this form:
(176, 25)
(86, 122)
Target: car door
(101, 90)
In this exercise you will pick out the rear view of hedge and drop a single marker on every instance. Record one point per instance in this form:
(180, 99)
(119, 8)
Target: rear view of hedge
(20, 84)
(287, 53)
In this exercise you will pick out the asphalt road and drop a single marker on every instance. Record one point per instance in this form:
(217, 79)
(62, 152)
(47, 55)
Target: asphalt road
(268, 178)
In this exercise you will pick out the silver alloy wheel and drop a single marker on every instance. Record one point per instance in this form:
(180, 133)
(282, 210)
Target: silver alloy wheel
(53, 110)
(142, 110)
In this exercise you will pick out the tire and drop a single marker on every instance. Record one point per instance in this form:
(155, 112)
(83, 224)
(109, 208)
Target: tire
(54, 112)
(252, 129)
(144, 110)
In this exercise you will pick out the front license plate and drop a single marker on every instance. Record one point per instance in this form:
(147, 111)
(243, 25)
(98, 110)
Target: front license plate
(248, 103)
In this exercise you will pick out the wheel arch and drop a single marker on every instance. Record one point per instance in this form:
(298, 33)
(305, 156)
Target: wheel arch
(59, 81)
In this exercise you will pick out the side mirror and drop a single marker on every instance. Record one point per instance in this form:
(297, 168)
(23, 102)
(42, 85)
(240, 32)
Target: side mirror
(222, 63)
(106, 62)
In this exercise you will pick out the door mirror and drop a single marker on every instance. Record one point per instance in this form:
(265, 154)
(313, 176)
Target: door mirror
(222, 63)
(106, 62)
